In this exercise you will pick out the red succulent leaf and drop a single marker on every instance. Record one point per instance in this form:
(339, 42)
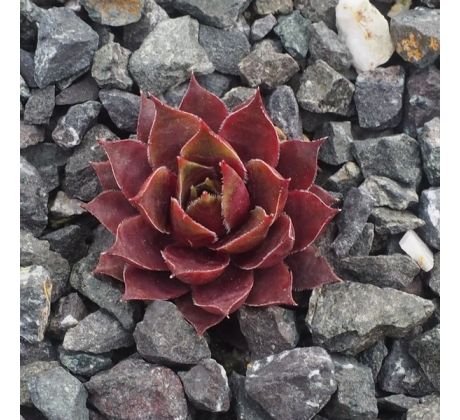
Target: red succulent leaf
(268, 189)
(195, 265)
(130, 166)
(110, 265)
(251, 133)
(151, 285)
(309, 214)
(206, 210)
(138, 243)
(153, 199)
(199, 318)
(204, 104)
(273, 250)
(146, 117)
(191, 173)
(272, 286)
(209, 149)
(187, 230)
(299, 161)
(105, 175)
(226, 293)
(249, 235)
(325, 196)
(110, 208)
(310, 269)
(171, 129)
(235, 197)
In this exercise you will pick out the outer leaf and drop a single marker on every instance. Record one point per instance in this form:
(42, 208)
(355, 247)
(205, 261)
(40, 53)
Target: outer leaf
(110, 208)
(207, 211)
(105, 175)
(171, 129)
(138, 243)
(268, 189)
(129, 164)
(187, 230)
(324, 195)
(204, 104)
(195, 266)
(235, 197)
(272, 286)
(154, 198)
(309, 215)
(146, 117)
(225, 294)
(251, 133)
(191, 173)
(273, 250)
(310, 269)
(200, 319)
(299, 161)
(110, 265)
(151, 285)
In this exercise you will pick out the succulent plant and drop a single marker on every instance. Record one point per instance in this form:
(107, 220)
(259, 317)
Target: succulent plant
(210, 209)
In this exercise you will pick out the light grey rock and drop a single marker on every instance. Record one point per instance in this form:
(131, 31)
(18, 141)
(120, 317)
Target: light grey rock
(318, 10)
(40, 106)
(84, 364)
(373, 357)
(28, 372)
(265, 7)
(399, 403)
(168, 56)
(429, 211)
(392, 222)
(337, 147)
(427, 409)
(294, 33)
(115, 13)
(262, 26)
(363, 245)
(61, 34)
(284, 112)
(82, 91)
(430, 146)
(69, 312)
(24, 91)
(30, 134)
(333, 321)
(348, 176)
(237, 96)
(63, 207)
(434, 278)
(43, 351)
(294, 384)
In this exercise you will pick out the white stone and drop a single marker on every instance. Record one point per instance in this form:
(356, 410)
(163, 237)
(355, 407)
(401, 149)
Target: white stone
(413, 246)
(365, 32)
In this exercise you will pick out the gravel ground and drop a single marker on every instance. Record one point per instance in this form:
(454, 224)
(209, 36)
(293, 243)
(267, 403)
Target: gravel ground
(366, 348)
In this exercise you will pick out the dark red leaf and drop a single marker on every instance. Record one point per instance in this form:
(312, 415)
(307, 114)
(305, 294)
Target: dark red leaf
(146, 117)
(251, 133)
(195, 266)
(191, 173)
(105, 175)
(206, 210)
(110, 265)
(324, 195)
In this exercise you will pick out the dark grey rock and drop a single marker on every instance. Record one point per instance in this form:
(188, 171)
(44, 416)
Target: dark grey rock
(122, 107)
(395, 270)
(59, 395)
(399, 403)
(416, 35)
(429, 211)
(173, 96)
(396, 157)
(284, 112)
(28, 372)
(337, 148)
(357, 207)
(118, 13)
(267, 67)
(33, 199)
(97, 333)
(168, 56)
(69, 312)
(103, 239)
(37, 252)
(434, 4)
(373, 357)
(61, 34)
(427, 409)
(79, 92)
(237, 96)
(382, 312)
(426, 351)
(30, 134)
(348, 176)
(27, 68)
(355, 396)
(430, 145)
(323, 90)
(84, 364)
(363, 244)
(40, 106)
(67, 82)
(318, 10)
(69, 241)
(75, 123)
(136, 389)
(422, 100)
(325, 44)
(43, 351)
(164, 336)
(294, 384)
(294, 33)
(206, 386)
(24, 91)
(392, 222)
(262, 26)
(80, 180)
(30, 15)
(64, 207)
(265, 7)
(268, 330)
(434, 278)
(379, 97)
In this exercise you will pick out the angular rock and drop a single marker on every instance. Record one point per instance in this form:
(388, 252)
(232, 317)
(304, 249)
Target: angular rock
(118, 13)
(40, 106)
(216, 83)
(63, 207)
(27, 68)
(427, 409)
(30, 15)
(70, 311)
(61, 34)
(373, 357)
(430, 146)
(24, 91)
(206, 386)
(164, 336)
(67, 82)
(396, 157)
(323, 90)
(294, 33)
(98, 333)
(337, 148)
(348, 176)
(261, 27)
(399, 403)
(383, 312)
(136, 389)
(59, 395)
(392, 222)
(168, 56)
(429, 211)
(265, 7)
(363, 244)
(30, 134)
(79, 92)
(43, 351)
(294, 384)
(72, 127)
(237, 96)
(416, 35)
(379, 97)
(84, 364)
(122, 107)
(434, 280)
(268, 330)
(69, 241)
(28, 372)
(284, 112)
(318, 10)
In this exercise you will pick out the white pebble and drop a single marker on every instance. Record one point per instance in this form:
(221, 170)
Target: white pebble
(417, 250)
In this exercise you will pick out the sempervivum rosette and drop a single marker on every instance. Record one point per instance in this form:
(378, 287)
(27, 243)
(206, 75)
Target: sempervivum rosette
(210, 209)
